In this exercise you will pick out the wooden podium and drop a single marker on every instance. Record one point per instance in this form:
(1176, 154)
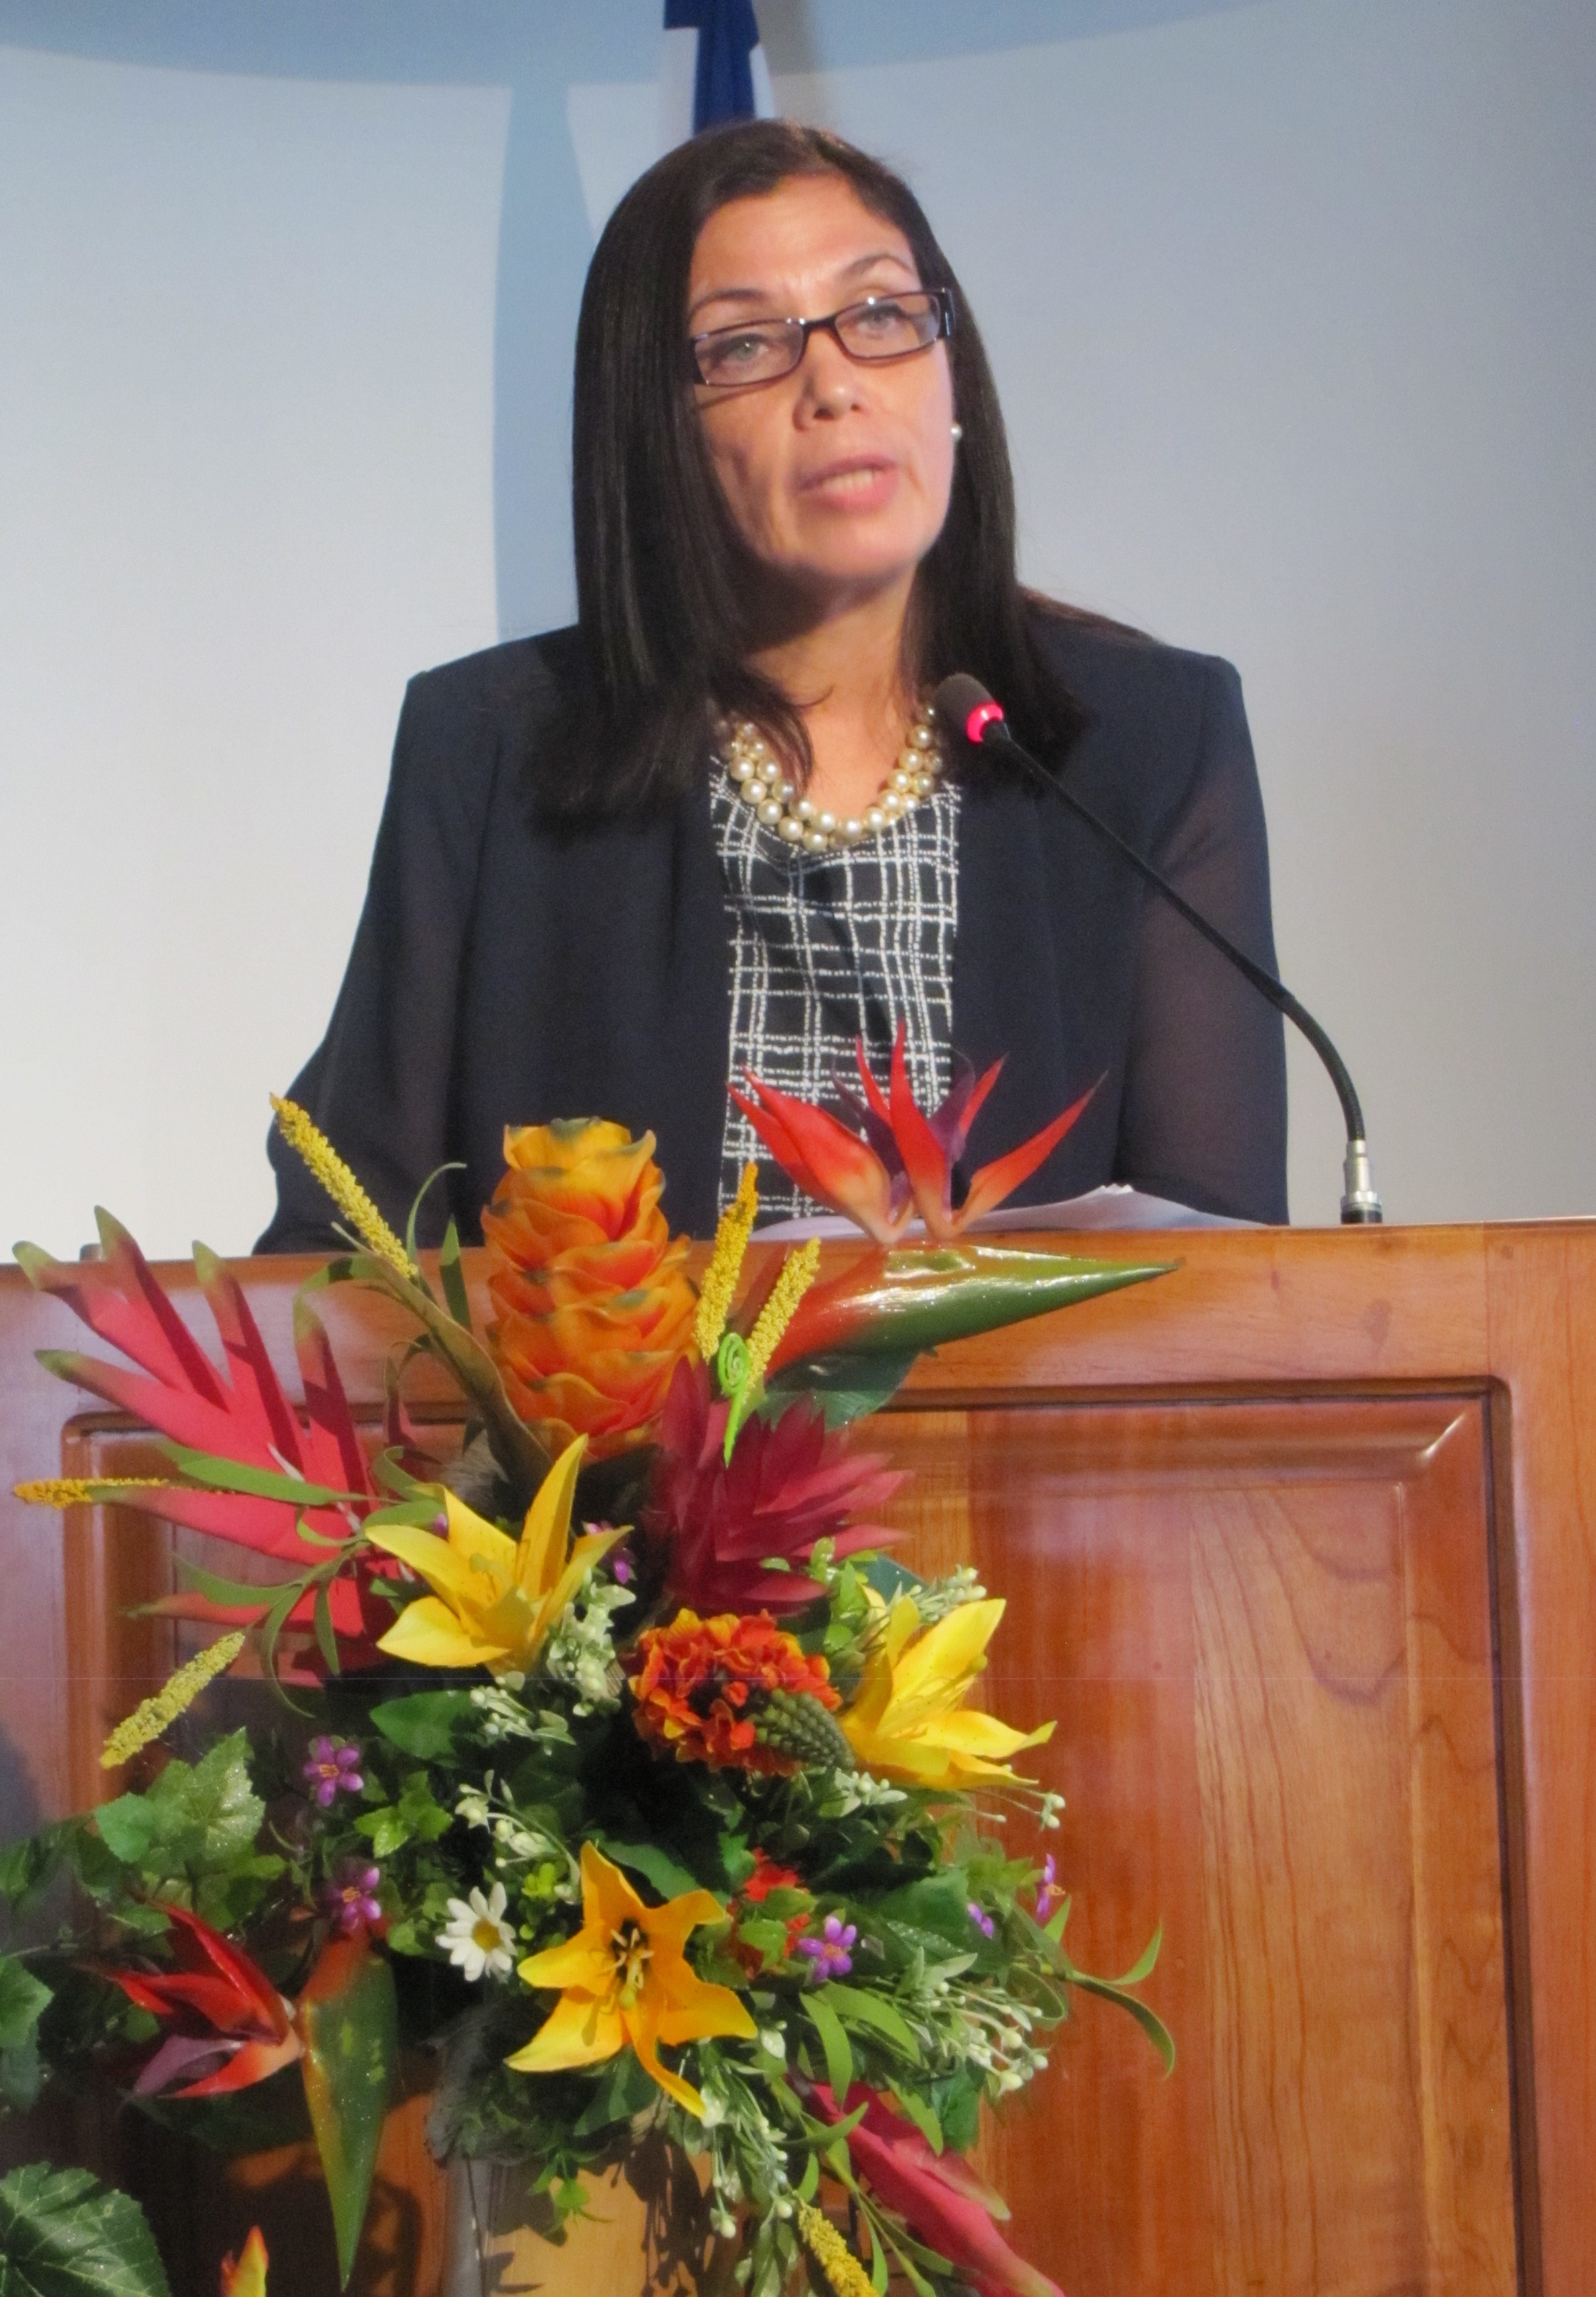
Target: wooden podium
(1300, 1548)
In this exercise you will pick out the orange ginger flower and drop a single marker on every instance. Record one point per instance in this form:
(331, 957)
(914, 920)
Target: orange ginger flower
(702, 1686)
(595, 1309)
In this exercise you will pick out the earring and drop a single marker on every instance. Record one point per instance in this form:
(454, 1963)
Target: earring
(957, 432)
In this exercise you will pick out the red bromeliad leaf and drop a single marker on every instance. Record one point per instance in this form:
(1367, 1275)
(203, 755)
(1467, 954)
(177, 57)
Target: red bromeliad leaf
(941, 2199)
(240, 1416)
(711, 1525)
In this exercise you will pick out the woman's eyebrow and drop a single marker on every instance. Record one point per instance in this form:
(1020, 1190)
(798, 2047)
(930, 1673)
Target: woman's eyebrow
(860, 263)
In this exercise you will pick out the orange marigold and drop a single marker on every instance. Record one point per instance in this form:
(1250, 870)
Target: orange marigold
(702, 1684)
(594, 1310)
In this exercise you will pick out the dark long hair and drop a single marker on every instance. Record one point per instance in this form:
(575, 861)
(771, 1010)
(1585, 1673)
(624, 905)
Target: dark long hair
(661, 573)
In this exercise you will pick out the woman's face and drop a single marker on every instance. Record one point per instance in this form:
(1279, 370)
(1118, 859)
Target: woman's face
(837, 475)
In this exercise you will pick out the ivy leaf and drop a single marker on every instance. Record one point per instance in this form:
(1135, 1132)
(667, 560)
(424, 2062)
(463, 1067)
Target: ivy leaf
(22, 2001)
(128, 1828)
(423, 1726)
(63, 2235)
(417, 1816)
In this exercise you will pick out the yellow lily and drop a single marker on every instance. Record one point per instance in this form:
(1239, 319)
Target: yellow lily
(625, 1977)
(494, 1599)
(908, 1721)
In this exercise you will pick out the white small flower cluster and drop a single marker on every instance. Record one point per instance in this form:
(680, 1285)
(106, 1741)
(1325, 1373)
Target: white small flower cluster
(937, 1597)
(479, 1939)
(503, 1717)
(852, 1790)
(580, 1652)
(517, 1843)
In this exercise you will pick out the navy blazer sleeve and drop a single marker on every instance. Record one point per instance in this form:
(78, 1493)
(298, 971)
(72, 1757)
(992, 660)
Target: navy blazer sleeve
(1202, 1118)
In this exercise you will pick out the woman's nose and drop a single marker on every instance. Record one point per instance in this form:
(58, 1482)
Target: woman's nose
(831, 379)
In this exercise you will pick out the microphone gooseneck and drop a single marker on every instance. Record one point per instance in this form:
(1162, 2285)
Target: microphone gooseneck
(962, 702)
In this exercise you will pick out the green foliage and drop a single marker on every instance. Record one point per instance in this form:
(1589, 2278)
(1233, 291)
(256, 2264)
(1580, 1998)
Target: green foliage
(63, 2235)
(425, 1725)
(351, 2050)
(417, 1816)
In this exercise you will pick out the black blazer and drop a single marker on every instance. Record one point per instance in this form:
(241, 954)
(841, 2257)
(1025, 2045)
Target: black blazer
(508, 969)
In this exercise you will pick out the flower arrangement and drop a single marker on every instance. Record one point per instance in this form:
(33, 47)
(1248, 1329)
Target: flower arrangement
(621, 1759)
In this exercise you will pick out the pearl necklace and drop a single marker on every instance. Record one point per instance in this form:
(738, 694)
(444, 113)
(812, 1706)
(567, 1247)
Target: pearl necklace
(757, 777)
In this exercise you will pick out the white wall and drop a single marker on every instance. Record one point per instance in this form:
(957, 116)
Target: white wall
(1291, 305)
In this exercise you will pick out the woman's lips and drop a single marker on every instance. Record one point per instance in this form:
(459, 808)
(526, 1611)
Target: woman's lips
(857, 482)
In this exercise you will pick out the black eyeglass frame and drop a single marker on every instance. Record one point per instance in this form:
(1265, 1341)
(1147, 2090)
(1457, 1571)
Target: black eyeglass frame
(941, 301)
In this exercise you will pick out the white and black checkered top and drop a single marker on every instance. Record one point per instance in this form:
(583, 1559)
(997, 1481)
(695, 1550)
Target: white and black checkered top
(830, 947)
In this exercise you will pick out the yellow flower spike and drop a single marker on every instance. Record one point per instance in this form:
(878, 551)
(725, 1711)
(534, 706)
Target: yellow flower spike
(909, 1720)
(798, 1272)
(308, 1142)
(495, 1600)
(831, 2252)
(151, 1717)
(726, 1264)
(625, 1979)
(85, 1491)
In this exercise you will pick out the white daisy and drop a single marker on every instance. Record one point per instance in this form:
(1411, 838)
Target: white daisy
(479, 1939)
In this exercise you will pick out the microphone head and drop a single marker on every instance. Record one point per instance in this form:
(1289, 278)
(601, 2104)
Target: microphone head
(961, 702)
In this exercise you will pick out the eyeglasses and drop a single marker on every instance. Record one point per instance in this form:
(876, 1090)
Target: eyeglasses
(881, 327)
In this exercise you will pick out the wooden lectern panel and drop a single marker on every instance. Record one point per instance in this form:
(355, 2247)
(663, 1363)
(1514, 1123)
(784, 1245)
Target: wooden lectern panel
(1265, 1631)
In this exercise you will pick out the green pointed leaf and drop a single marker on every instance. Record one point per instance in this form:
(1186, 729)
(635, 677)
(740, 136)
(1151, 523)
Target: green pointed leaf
(22, 2001)
(326, 1641)
(649, 1860)
(834, 2042)
(256, 1594)
(845, 1386)
(857, 2008)
(63, 2235)
(349, 2021)
(453, 1276)
(219, 1474)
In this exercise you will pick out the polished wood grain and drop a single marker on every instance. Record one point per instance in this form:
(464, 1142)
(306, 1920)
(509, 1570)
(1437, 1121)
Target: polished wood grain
(1300, 1546)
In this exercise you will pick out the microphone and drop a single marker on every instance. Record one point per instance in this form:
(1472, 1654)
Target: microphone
(963, 702)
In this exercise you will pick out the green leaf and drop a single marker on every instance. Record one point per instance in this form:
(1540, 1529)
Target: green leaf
(219, 1474)
(648, 1859)
(834, 2042)
(27, 1867)
(424, 1725)
(624, 2089)
(327, 1641)
(63, 2235)
(128, 1828)
(417, 1816)
(348, 2018)
(454, 1278)
(845, 1386)
(22, 2000)
(256, 1592)
(767, 1938)
(922, 2113)
(210, 1814)
(859, 2009)
(21, 2077)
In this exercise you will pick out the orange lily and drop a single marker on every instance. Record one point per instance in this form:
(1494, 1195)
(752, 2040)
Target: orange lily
(903, 1164)
(624, 1978)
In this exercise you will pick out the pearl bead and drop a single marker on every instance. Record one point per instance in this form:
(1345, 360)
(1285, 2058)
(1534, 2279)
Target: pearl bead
(827, 822)
(738, 767)
(852, 830)
(921, 737)
(815, 841)
(892, 803)
(875, 817)
(900, 780)
(791, 830)
(770, 813)
(908, 759)
(754, 789)
(804, 809)
(923, 785)
(784, 791)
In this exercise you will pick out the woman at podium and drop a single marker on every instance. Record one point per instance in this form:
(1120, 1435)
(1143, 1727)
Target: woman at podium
(716, 824)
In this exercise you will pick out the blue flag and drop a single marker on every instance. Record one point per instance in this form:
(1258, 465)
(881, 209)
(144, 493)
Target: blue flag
(727, 36)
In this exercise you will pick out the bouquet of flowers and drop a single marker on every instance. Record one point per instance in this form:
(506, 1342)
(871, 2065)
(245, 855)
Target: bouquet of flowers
(622, 1758)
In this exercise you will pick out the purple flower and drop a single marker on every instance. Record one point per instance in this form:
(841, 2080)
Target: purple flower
(349, 1895)
(982, 1921)
(828, 1954)
(620, 1566)
(1047, 1891)
(332, 1769)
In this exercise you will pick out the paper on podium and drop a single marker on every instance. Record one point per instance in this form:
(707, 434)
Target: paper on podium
(1116, 1206)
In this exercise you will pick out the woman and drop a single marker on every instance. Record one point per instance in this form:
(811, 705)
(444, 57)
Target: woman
(713, 827)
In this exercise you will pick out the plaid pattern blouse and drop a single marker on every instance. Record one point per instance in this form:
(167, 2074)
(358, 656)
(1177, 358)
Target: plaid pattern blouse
(828, 947)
